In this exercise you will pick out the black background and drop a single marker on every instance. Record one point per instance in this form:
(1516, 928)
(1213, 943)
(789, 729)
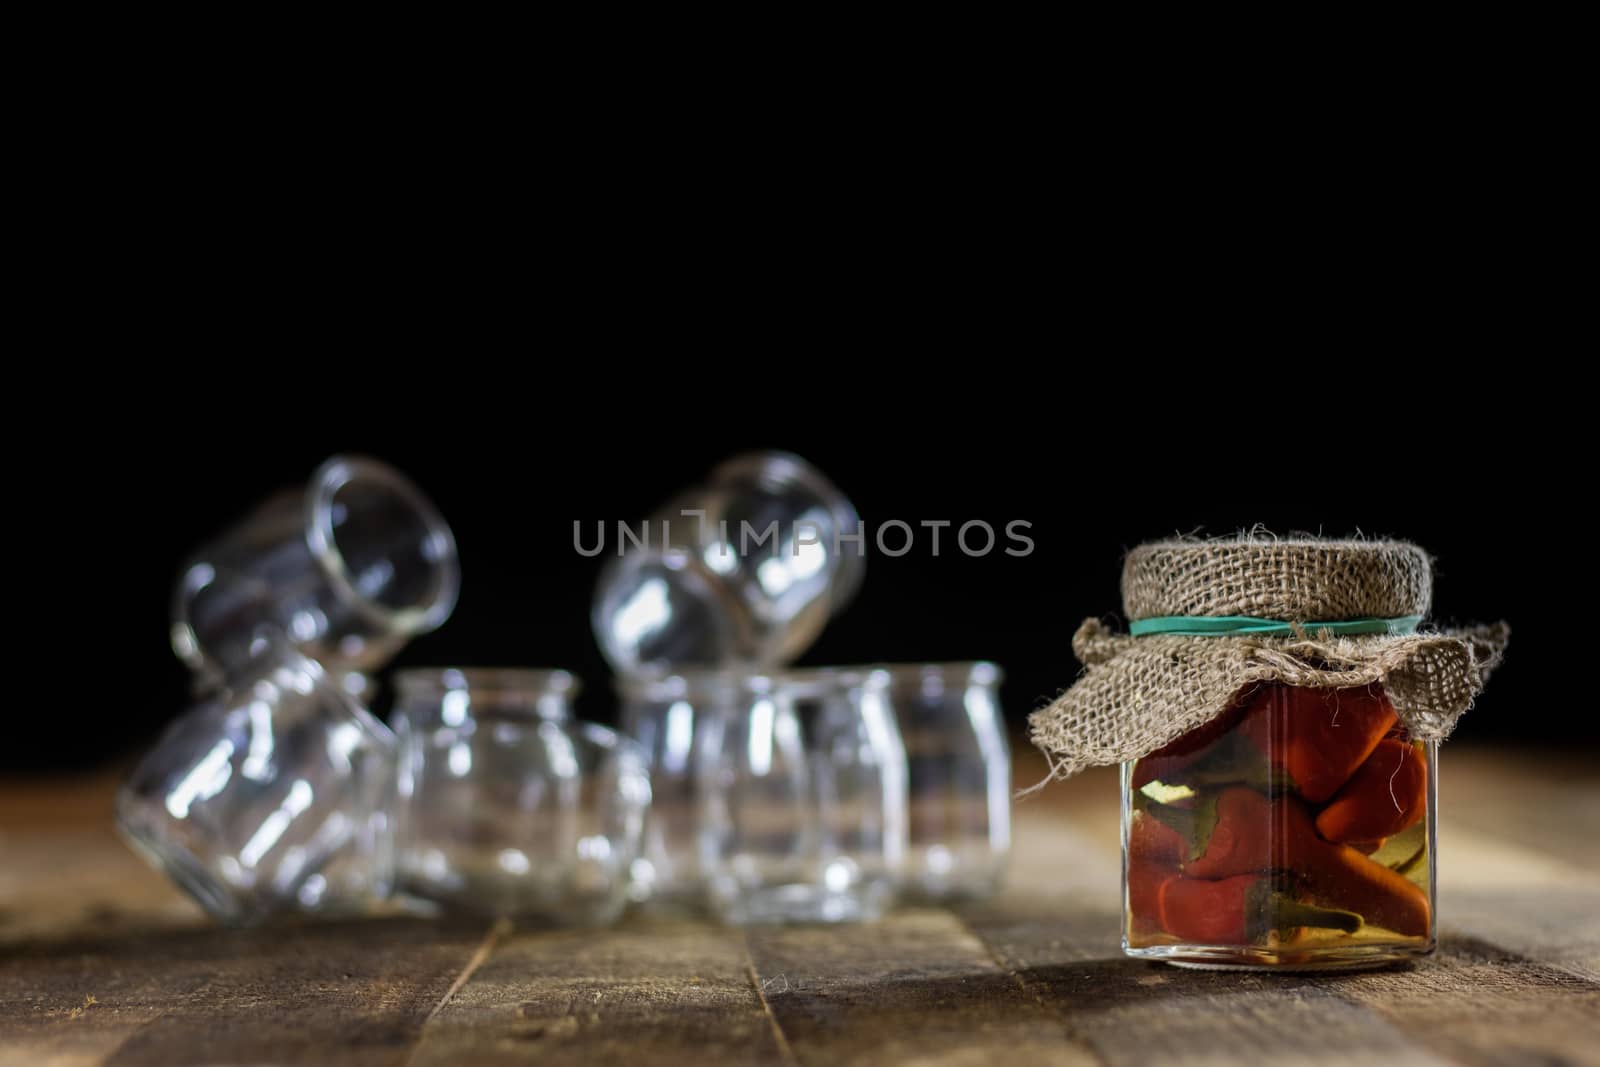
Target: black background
(513, 458)
(1157, 322)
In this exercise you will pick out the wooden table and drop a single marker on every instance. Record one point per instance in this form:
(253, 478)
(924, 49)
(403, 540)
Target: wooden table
(102, 962)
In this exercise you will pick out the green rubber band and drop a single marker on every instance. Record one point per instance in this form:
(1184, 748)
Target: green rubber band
(1230, 625)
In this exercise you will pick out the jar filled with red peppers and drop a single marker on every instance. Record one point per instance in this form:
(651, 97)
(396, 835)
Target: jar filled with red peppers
(1276, 707)
(1297, 828)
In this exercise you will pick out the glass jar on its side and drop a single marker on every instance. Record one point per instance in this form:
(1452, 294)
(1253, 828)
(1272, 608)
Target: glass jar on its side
(746, 569)
(269, 796)
(346, 570)
(1294, 830)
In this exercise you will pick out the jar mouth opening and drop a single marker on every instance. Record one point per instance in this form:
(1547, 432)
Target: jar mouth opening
(682, 682)
(732, 681)
(779, 470)
(814, 681)
(967, 672)
(350, 498)
(487, 682)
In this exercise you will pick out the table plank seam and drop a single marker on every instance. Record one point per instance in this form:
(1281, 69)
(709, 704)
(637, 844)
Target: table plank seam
(110, 1054)
(778, 1035)
(1028, 989)
(497, 933)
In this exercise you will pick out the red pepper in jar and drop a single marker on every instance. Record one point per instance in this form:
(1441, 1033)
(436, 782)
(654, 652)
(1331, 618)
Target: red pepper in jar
(1388, 794)
(1340, 875)
(1224, 833)
(1318, 736)
(1238, 831)
(1240, 910)
(1154, 853)
(1171, 762)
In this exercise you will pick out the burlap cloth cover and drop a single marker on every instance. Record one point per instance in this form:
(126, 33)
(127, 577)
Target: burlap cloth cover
(1137, 694)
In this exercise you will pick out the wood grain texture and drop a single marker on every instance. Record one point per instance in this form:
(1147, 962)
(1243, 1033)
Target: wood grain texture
(313, 995)
(334, 993)
(101, 961)
(916, 987)
(1474, 1003)
(639, 994)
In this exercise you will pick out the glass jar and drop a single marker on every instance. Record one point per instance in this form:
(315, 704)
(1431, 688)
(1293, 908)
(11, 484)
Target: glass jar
(507, 806)
(665, 716)
(959, 777)
(1296, 829)
(802, 781)
(270, 796)
(745, 569)
(347, 569)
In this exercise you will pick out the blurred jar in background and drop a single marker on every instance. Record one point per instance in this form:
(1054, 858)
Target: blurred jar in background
(347, 569)
(507, 806)
(269, 797)
(748, 576)
(960, 777)
(802, 780)
(665, 715)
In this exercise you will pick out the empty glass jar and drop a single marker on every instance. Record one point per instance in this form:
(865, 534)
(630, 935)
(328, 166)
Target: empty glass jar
(507, 806)
(745, 569)
(271, 796)
(664, 716)
(802, 781)
(348, 569)
(1296, 829)
(960, 777)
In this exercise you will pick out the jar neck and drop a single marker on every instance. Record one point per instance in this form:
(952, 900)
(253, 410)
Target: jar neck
(449, 696)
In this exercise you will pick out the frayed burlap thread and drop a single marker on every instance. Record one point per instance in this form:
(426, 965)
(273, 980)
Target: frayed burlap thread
(1136, 694)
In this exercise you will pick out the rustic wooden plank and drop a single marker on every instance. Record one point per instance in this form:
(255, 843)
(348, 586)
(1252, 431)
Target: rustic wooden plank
(1544, 801)
(101, 956)
(57, 801)
(101, 959)
(337, 993)
(1517, 839)
(1559, 926)
(640, 994)
(76, 879)
(1146, 1015)
(1475, 1003)
(915, 987)
(94, 944)
(75, 1003)
(1526, 901)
